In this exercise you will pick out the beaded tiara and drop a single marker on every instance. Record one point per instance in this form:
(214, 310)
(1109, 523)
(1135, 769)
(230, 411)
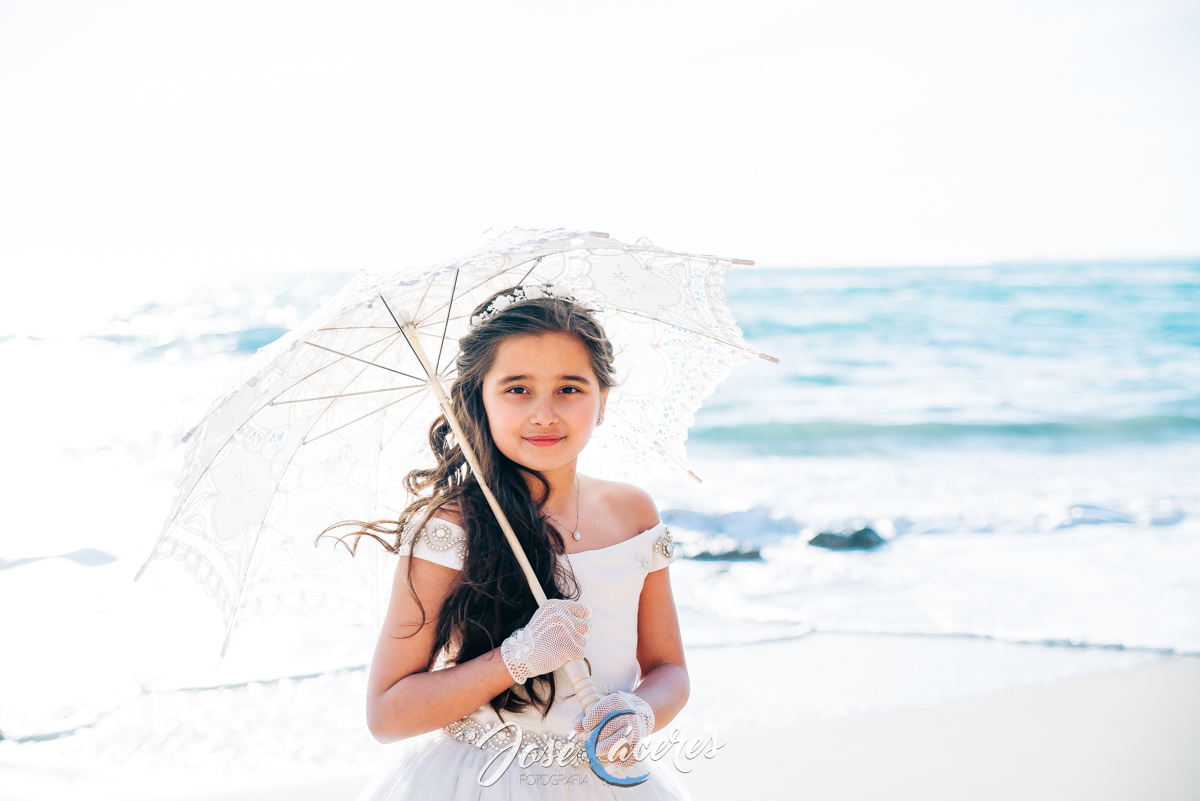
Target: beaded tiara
(531, 292)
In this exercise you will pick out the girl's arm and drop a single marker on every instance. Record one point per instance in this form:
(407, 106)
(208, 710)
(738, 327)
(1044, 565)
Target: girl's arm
(665, 684)
(403, 699)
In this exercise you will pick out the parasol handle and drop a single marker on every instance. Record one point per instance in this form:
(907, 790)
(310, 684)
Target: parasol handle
(576, 669)
(581, 680)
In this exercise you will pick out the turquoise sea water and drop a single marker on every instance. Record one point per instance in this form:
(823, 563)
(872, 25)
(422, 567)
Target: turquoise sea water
(1016, 352)
(1027, 438)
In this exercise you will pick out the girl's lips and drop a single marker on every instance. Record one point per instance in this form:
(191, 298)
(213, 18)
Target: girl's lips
(544, 442)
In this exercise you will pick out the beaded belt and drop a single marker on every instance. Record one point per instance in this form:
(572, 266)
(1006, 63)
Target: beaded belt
(536, 743)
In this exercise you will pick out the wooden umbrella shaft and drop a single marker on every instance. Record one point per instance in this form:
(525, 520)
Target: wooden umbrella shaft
(576, 669)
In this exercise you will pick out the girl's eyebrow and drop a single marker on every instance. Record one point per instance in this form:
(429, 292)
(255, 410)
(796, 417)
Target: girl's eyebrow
(512, 379)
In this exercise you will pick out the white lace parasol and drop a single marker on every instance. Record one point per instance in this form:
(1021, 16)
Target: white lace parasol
(323, 424)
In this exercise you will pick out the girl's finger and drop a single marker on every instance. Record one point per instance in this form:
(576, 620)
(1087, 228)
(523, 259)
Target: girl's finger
(612, 736)
(577, 609)
(597, 713)
(605, 747)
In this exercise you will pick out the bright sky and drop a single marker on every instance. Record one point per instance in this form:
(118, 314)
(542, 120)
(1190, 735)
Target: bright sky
(185, 138)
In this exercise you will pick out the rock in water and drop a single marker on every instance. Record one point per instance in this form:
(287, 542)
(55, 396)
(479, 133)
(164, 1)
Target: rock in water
(729, 556)
(862, 540)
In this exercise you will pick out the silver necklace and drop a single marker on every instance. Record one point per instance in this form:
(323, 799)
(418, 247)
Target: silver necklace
(574, 533)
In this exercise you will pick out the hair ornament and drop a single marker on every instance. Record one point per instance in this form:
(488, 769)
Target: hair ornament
(521, 293)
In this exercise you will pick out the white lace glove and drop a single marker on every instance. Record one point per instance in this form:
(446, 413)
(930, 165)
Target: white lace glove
(556, 634)
(634, 728)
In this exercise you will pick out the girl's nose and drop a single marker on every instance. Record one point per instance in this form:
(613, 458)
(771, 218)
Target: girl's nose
(543, 413)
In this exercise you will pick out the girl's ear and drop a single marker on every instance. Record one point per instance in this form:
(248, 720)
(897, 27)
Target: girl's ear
(603, 402)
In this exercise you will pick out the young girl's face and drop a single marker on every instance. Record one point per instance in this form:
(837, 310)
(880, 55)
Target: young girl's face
(542, 399)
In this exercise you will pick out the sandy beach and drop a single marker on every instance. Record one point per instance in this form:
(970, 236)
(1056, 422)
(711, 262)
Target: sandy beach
(1124, 735)
(1129, 735)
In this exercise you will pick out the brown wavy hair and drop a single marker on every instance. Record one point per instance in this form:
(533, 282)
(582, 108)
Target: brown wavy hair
(490, 597)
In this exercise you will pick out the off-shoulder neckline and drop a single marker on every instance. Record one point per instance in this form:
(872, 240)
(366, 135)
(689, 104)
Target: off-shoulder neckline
(653, 528)
(656, 527)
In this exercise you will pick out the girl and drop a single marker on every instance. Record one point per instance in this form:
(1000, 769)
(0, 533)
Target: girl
(464, 647)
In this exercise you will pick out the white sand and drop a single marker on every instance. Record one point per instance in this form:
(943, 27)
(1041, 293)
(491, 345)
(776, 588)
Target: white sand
(1132, 734)
(1124, 736)
(1129, 735)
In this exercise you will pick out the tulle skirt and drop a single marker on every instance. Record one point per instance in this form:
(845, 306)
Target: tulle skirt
(435, 767)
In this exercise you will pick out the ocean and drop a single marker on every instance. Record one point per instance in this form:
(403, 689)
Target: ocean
(1024, 439)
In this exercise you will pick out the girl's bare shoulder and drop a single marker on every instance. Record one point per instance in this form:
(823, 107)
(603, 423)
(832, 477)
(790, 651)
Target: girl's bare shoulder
(631, 507)
(450, 513)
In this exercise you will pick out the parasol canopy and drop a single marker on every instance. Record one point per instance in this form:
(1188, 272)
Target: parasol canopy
(323, 425)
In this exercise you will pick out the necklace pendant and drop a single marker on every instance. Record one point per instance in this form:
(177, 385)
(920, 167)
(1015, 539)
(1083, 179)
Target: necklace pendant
(577, 536)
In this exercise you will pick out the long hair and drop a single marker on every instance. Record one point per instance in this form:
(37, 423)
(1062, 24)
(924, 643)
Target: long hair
(490, 597)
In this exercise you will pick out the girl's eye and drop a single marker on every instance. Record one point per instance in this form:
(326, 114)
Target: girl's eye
(516, 390)
(571, 390)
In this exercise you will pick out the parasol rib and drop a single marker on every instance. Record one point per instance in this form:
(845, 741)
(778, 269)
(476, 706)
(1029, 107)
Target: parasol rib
(343, 395)
(363, 417)
(399, 427)
(536, 262)
(364, 361)
(508, 269)
(446, 326)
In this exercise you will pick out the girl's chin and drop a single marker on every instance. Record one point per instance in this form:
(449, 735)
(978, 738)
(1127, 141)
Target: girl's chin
(542, 459)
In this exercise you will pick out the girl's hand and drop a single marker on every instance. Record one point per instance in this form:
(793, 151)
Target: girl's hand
(556, 634)
(633, 728)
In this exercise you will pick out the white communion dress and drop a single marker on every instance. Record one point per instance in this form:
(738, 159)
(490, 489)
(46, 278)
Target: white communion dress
(447, 764)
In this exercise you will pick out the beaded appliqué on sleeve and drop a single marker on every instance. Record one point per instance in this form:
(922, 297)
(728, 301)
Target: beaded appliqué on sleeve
(665, 544)
(662, 553)
(440, 538)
